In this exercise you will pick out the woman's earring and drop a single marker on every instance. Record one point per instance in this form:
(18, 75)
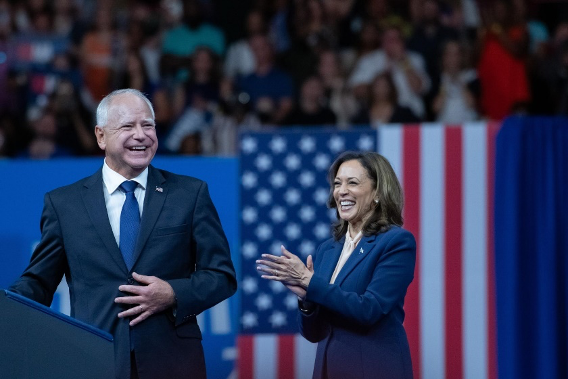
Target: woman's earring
(376, 201)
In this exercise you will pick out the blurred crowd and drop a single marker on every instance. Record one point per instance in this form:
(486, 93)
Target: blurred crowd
(215, 67)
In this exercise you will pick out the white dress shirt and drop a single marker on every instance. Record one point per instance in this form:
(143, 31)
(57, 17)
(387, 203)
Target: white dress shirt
(348, 248)
(115, 197)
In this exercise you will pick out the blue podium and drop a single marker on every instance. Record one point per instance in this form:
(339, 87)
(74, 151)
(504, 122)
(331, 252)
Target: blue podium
(37, 342)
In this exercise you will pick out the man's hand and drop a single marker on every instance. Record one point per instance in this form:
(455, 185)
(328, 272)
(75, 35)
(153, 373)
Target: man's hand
(153, 296)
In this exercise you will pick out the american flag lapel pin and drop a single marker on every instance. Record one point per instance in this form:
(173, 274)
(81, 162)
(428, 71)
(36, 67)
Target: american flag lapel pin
(159, 189)
(361, 251)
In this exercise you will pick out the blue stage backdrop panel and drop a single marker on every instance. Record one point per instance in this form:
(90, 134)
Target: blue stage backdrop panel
(531, 248)
(24, 183)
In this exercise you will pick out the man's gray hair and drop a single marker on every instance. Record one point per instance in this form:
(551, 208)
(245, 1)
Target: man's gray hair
(104, 105)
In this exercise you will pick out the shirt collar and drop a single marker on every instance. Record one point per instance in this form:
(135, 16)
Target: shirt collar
(113, 179)
(354, 239)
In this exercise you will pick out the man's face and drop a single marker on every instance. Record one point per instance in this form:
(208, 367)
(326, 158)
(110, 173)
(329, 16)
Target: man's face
(129, 138)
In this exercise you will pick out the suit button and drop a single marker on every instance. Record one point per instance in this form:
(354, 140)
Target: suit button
(130, 281)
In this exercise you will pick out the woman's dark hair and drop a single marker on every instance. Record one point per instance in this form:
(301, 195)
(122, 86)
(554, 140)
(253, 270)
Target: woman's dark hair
(388, 211)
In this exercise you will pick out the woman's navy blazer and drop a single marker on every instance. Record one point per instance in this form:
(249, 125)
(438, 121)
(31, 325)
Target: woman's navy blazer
(358, 319)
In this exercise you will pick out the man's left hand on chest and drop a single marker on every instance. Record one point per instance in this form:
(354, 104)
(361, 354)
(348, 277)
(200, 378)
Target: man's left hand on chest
(153, 295)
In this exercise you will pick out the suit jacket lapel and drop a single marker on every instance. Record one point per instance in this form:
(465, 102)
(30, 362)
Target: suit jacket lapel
(361, 252)
(156, 194)
(94, 200)
(330, 259)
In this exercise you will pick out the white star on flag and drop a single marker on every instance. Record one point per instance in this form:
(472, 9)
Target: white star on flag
(275, 248)
(322, 161)
(307, 248)
(292, 196)
(249, 180)
(263, 162)
(278, 179)
(306, 179)
(277, 214)
(307, 213)
(276, 287)
(336, 144)
(264, 232)
(321, 230)
(292, 231)
(291, 301)
(292, 162)
(263, 196)
(332, 214)
(250, 215)
(321, 195)
(277, 145)
(277, 319)
(263, 301)
(248, 145)
(249, 320)
(249, 285)
(365, 143)
(249, 250)
(307, 144)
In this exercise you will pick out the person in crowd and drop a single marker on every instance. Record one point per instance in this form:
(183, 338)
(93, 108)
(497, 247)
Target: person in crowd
(550, 76)
(195, 103)
(311, 108)
(502, 68)
(180, 42)
(269, 90)
(71, 119)
(337, 95)
(385, 13)
(428, 38)
(384, 107)
(310, 33)
(44, 141)
(135, 74)
(351, 291)
(101, 50)
(458, 91)
(65, 16)
(144, 37)
(368, 40)
(143, 246)
(239, 60)
(407, 68)
(278, 23)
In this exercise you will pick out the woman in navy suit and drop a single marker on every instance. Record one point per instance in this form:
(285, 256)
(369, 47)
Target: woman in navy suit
(351, 292)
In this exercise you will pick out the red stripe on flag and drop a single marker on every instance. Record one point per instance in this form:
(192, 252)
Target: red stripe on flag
(246, 359)
(286, 357)
(453, 252)
(411, 184)
(492, 129)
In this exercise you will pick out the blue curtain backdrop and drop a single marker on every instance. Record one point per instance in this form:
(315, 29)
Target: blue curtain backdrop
(531, 248)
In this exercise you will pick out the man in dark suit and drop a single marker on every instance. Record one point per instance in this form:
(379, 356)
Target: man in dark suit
(142, 249)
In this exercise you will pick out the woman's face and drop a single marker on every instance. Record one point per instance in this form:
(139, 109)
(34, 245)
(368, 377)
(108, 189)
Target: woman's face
(354, 194)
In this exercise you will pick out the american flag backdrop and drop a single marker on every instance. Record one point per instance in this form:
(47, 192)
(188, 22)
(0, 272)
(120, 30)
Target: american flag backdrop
(284, 191)
(447, 176)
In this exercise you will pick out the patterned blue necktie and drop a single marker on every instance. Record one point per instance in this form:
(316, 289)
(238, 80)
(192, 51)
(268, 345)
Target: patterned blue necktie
(129, 223)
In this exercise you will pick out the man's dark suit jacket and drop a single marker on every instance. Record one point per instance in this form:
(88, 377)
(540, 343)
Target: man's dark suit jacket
(181, 241)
